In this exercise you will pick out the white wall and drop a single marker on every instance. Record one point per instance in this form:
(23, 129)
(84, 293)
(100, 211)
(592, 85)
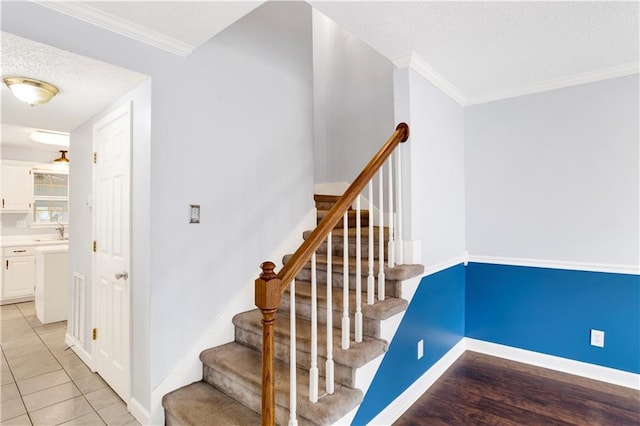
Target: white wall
(353, 101)
(554, 176)
(231, 130)
(433, 168)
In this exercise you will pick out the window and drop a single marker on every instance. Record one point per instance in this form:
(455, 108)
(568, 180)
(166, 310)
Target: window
(50, 197)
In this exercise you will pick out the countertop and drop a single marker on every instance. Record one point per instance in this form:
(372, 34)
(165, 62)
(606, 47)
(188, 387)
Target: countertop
(31, 240)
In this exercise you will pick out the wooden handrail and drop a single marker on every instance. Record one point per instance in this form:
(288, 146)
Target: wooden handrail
(270, 286)
(318, 235)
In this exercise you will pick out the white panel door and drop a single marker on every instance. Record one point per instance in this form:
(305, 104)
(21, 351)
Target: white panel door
(111, 284)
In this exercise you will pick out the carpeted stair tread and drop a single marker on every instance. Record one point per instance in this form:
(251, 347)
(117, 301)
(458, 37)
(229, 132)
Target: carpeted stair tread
(338, 235)
(352, 216)
(324, 198)
(201, 404)
(356, 356)
(397, 273)
(237, 368)
(380, 310)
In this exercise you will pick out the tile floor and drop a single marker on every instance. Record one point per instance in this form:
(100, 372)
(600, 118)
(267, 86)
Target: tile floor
(45, 384)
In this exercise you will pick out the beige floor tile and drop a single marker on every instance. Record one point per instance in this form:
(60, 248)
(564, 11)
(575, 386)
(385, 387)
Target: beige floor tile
(33, 320)
(90, 383)
(27, 308)
(91, 419)
(61, 412)
(9, 312)
(45, 365)
(23, 343)
(77, 370)
(5, 376)
(102, 398)
(22, 420)
(12, 408)
(116, 414)
(15, 333)
(9, 391)
(50, 396)
(44, 381)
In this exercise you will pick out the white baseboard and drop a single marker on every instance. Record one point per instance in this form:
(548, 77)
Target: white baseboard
(393, 411)
(78, 350)
(221, 330)
(431, 269)
(577, 368)
(140, 413)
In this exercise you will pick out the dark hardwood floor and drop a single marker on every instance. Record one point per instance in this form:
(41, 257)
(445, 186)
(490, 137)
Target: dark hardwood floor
(483, 390)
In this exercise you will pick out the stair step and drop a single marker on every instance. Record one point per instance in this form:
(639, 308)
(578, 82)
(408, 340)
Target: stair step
(249, 333)
(325, 202)
(338, 234)
(397, 273)
(236, 369)
(352, 214)
(201, 404)
(393, 286)
(371, 314)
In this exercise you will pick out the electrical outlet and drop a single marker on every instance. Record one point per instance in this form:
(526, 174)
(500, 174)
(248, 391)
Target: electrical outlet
(597, 338)
(420, 348)
(21, 224)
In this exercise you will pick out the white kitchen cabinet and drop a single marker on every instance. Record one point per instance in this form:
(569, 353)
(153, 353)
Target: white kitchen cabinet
(16, 188)
(18, 274)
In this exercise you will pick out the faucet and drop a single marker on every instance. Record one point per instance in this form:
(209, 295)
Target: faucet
(60, 229)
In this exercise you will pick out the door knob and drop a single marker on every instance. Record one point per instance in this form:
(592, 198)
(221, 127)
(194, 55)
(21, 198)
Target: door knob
(123, 274)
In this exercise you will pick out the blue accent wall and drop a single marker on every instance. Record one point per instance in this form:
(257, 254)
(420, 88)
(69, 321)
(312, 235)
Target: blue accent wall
(436, 314)
(552, 311)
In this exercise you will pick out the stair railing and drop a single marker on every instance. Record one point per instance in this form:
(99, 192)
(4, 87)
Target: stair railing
(270, 285)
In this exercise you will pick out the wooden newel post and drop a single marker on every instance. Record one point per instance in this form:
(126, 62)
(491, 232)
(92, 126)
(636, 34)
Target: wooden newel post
(267, 293)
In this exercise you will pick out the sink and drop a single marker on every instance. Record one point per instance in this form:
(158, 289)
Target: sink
(52, 240)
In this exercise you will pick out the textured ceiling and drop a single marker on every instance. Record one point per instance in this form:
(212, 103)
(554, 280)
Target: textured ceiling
(488, 50)
(475, 51)
(86, 86)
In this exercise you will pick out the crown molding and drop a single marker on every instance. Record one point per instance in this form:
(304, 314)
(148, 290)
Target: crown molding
(110, 22)
(419, 65)
(559, 83)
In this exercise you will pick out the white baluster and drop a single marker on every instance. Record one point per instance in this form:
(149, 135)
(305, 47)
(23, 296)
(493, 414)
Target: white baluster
(392, 251)
(346, 326)
(381, 289)
(358, 315)
(399, 243)
(293, 421)
(313, 371)
(329, 364)
(370, 278)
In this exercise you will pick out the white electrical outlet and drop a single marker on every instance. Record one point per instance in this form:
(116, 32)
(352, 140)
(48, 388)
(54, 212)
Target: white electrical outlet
(597, 338)
(420, 348)
(21, 224)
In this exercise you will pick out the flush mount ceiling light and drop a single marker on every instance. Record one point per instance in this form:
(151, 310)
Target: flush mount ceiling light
(50, 137)
(33, 92)
(63, 158)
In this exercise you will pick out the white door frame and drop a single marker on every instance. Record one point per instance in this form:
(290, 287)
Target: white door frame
(125, 108)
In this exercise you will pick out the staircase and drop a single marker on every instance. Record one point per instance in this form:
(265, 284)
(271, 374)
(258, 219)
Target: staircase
(230, 392)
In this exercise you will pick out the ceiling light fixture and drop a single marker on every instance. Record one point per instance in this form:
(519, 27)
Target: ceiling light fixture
(50, 137)
(33, 92)
(63, 158)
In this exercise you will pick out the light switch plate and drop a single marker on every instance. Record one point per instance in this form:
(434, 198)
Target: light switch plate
(194, 213)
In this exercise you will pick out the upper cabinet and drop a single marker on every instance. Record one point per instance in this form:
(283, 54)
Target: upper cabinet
(16, 188)
(50, 197)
